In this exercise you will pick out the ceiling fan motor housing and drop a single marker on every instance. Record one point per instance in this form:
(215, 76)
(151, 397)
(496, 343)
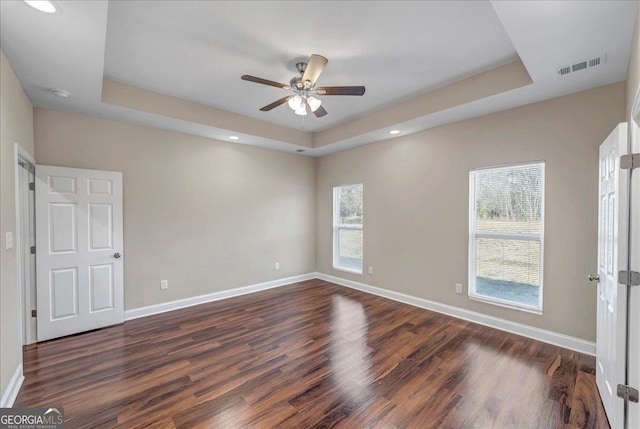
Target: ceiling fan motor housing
(296, 83)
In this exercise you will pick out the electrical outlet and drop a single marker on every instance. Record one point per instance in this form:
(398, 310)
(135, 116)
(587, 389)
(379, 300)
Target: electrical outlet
(371, 270)
(459, 288)
(277, 265)
(164, 284)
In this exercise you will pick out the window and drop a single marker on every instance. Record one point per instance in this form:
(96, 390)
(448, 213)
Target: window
(347, 228)
(506, 224)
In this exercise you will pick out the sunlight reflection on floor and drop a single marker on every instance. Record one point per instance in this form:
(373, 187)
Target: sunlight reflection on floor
(491, 392)
(350, 360)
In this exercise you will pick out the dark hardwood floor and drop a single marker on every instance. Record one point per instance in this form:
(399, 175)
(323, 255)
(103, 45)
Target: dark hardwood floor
(312, 354)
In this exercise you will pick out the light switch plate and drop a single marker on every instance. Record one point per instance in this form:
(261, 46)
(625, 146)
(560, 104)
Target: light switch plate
(8, 241)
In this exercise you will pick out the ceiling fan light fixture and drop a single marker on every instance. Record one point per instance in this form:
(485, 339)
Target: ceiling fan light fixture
(302, 111)
(314, 103)
(295, 103)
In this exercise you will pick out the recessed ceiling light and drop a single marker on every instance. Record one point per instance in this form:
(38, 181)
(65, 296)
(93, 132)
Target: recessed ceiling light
(60, 93)
(394, 132)
(42, 5)
(234, 138)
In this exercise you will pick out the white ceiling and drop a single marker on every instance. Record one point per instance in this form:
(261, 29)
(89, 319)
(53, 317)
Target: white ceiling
(198, 51)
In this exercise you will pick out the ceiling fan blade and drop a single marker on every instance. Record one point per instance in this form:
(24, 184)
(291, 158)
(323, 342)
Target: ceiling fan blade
(276, 103)
(264, 81)
(314, 68)
(320, 112)
(340, 90)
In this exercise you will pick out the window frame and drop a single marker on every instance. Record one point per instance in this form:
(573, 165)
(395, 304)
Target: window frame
(474, 235)
(337, 227)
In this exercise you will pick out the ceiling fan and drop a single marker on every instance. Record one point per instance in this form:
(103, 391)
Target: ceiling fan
(304, 88)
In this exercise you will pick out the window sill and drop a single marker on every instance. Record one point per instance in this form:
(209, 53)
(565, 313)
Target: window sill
(348, 270)
(506, 304)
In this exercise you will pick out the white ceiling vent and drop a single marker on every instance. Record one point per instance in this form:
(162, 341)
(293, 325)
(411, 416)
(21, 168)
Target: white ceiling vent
(582, 65)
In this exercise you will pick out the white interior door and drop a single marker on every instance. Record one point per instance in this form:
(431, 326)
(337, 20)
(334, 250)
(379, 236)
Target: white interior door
(78, 251)
(612, 256)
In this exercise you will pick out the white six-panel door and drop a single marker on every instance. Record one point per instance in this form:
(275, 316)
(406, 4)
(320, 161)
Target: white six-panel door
(78, 250)
(611, 299)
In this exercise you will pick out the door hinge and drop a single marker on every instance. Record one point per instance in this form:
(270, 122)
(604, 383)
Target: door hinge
(627, 393)
(34, 313)
(629, 278)
(33, 250)
(629, 162)
(32, 186)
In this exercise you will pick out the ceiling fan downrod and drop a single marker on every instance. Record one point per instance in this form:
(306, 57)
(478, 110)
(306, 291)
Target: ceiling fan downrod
(296, 83)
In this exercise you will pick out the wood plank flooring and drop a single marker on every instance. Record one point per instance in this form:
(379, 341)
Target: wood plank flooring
(310, 355)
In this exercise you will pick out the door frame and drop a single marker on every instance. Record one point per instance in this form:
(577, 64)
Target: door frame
(632, 374)
(25, 296)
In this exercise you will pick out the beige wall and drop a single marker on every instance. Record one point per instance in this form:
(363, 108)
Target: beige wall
(16, 126)
(416, 203)
(205, 215)
(633, 76)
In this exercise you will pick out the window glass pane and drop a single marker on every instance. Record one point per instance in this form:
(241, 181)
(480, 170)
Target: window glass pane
(509, 199)
(508, 270)
(350, 205)
(348, 227)
(350, 248)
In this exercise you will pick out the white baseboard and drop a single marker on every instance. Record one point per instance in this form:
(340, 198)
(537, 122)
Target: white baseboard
(136, 313)
(11, 393)
(565, 341)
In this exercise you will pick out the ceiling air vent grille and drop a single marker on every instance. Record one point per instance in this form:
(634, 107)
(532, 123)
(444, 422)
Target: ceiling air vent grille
(582, 65)
(579, 66)
(564, 70)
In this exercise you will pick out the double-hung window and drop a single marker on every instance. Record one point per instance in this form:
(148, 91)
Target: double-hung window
(506, 235)
(347, 228)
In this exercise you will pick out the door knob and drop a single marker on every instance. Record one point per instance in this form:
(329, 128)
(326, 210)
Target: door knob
(593, 278)
(116, 255)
